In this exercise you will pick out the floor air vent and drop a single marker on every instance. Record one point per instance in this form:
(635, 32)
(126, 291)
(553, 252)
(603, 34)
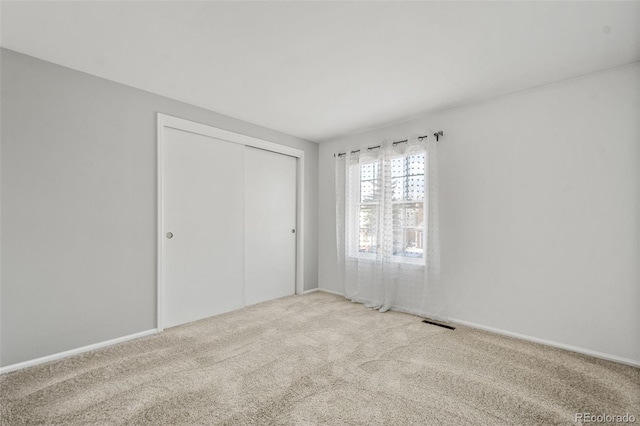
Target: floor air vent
(439, 324)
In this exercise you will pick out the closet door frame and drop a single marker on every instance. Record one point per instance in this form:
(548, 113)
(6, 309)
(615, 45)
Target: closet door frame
(167, 121)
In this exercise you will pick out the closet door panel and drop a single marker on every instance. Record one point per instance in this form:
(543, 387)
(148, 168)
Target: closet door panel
(270, 239)
(203, 226)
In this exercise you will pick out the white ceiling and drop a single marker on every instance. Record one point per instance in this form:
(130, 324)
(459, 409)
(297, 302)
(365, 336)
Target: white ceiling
(318, 70)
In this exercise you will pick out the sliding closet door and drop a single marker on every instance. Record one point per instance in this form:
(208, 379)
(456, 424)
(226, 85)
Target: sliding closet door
(270, 239)
(203, 226)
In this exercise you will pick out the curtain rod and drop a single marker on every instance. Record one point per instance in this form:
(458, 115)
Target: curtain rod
(436, 134)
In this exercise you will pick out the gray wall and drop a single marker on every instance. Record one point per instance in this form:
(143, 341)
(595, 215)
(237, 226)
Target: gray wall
(78, 176)
(539, 210)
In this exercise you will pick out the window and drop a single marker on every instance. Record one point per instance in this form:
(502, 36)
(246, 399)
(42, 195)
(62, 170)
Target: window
(392, 190)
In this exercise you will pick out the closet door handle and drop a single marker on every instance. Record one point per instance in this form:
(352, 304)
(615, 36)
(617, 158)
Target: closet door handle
(169, 235)
(293, 231)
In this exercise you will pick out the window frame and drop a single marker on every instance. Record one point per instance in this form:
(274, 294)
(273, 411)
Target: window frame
(354, 250)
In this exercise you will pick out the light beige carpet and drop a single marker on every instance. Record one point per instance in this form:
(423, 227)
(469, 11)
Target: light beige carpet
(319, 359)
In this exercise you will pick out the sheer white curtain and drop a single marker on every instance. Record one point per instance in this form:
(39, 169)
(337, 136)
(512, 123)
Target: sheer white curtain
(387, 227)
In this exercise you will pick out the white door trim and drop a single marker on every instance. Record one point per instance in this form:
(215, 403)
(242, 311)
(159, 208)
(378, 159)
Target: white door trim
(167, 121)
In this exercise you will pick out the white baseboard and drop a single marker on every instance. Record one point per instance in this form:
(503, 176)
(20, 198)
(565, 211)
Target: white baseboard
(337, 293)
(595, 354)
(546, 342)
(65, 354)
(313, 290)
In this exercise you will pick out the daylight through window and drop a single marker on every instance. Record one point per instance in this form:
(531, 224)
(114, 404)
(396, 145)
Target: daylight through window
(402, 198)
